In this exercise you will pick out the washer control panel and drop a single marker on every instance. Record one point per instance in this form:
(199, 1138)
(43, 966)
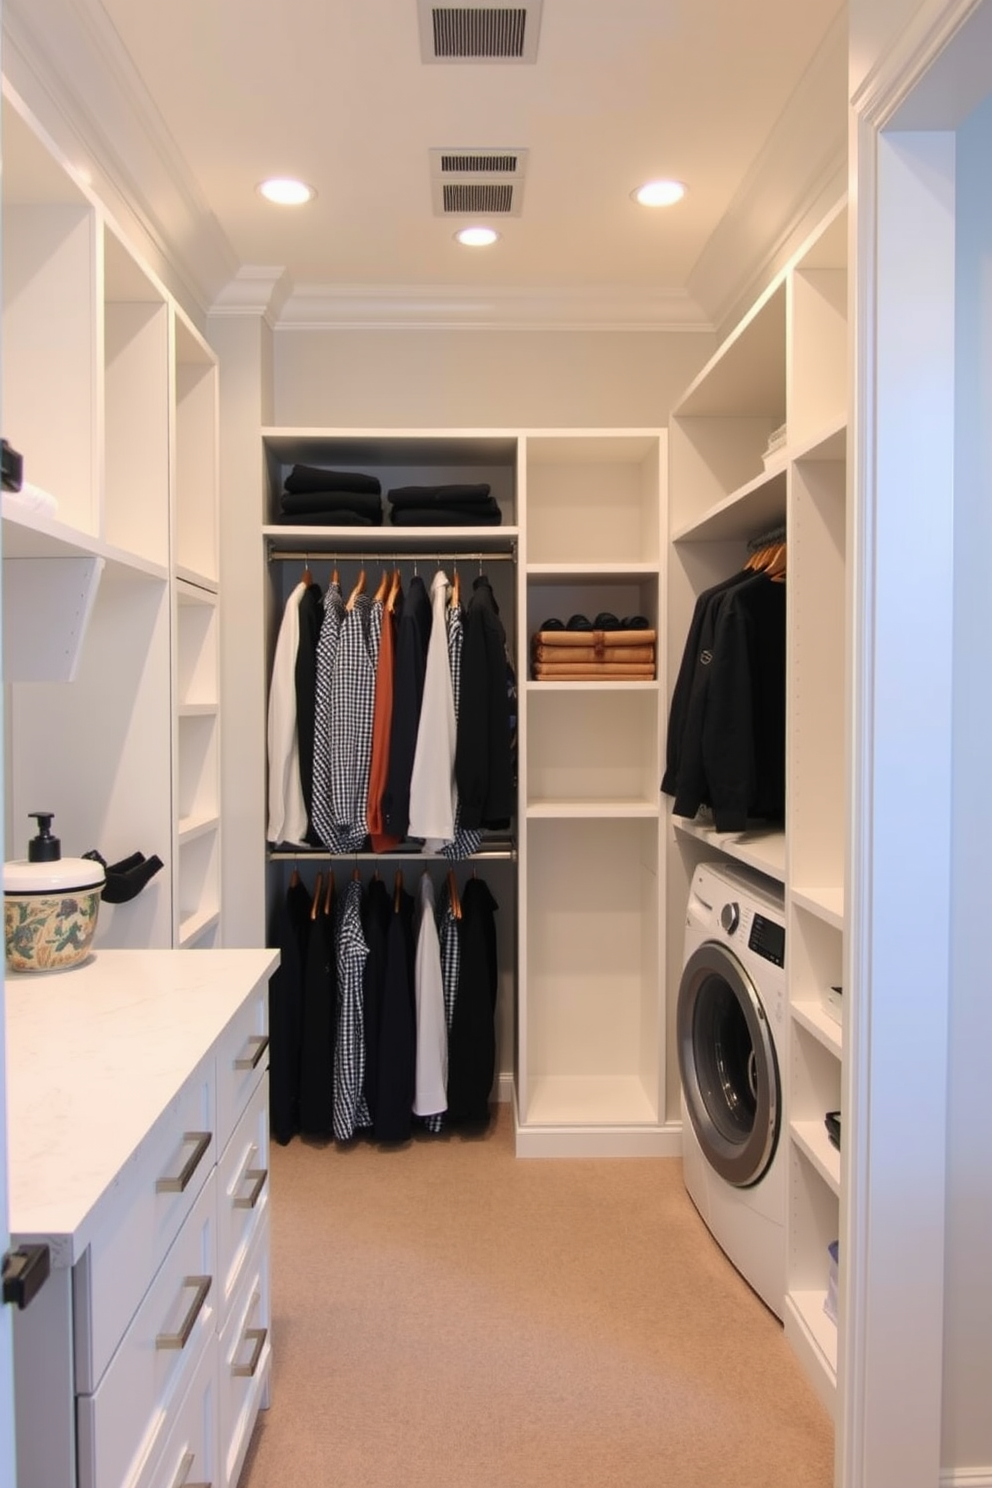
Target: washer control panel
(767, 939)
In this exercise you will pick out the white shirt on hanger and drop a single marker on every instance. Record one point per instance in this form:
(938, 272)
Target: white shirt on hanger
(287, 808)
(431, 1089)
(432, 783)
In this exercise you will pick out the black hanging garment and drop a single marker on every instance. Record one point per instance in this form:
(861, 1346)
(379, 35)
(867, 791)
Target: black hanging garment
(376, 913)
(396, 1084)
(319, 1020)
(290, 935)
(311, 617)
(413, 633)
(483, 764)
(472, 1041)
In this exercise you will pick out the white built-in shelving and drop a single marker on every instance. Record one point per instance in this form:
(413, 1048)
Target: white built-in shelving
(111, 598)
(785, 363)
(590, 1040)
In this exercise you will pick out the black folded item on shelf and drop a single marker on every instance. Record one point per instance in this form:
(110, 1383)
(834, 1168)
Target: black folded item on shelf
(832, 1122)
(451, 495)
(315, 478)
(446, 516)
(126, 879)
(12, 466)
(327, 519)
(366, 503)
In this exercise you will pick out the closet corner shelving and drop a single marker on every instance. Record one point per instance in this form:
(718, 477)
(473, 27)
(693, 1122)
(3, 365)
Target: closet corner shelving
(99, 399)
(784, 364)
(590, 1038)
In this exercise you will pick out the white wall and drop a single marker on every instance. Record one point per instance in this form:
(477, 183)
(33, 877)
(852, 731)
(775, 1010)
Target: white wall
(451, 378)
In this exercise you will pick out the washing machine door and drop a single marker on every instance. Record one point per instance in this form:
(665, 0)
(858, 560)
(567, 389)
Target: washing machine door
(730, 1078)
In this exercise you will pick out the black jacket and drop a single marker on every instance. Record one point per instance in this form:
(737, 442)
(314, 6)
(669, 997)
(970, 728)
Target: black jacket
(483, 758)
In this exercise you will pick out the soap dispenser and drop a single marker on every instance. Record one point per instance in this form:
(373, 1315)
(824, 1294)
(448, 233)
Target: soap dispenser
(50, 904)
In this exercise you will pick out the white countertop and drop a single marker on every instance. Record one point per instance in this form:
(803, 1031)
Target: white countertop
(94, 1055)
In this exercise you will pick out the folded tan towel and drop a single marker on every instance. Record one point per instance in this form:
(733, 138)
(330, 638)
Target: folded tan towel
(561, 671)
(594, 637)
(628, 655)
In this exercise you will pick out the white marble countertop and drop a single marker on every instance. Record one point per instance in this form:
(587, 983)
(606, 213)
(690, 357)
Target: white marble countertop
(94, 1055)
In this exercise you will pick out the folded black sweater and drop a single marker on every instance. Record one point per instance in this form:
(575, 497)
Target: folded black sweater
(313, 478)
(439, 494)
(446, 516)
(366, 503)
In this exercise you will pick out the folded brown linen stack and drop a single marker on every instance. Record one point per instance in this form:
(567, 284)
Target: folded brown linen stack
(593, 655)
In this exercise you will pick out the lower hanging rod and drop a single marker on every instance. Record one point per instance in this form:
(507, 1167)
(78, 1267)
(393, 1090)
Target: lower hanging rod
(372, 555)
(505, 853)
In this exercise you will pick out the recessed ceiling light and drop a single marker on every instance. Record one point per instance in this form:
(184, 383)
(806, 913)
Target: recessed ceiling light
(659, 193)
(477, 237)
(286, 192)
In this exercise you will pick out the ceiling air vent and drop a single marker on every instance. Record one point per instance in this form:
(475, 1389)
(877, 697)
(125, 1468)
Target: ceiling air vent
(477, 182)
(485, 32)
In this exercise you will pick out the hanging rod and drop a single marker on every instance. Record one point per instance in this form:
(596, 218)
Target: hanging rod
(506, 853)
(372, 555)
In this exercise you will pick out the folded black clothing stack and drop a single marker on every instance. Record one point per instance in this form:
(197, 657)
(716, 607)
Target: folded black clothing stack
(314, 497)
(444, 506)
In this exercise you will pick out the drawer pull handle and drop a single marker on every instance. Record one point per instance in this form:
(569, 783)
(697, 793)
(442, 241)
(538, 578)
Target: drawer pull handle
(185, 1468)
(179, 1340)
(258, 1177)
(258, 1043)
(247, 1371)
(179, 1183)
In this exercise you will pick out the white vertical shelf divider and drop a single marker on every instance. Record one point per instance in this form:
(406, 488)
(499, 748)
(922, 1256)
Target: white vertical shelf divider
(591, 1041)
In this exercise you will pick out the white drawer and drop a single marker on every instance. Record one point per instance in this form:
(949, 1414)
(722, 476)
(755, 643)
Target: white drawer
(245, 1359)
(242, 1194)
(242, 1057)
(119, 1427)
(188, 1458)
(152, 1197)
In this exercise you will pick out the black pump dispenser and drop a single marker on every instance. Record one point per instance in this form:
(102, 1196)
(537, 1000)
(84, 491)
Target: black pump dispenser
(44, 848)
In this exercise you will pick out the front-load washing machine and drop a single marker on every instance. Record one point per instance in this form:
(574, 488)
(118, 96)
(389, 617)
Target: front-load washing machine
(731, 1030)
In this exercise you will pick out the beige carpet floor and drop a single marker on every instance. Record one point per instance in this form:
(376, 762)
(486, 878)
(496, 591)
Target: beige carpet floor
(446, 1315)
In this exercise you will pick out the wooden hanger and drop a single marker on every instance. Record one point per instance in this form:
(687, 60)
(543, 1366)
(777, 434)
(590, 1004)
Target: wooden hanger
(380, 593)
(456, 903)
(329, 895)
(334, 577)
(456, 589)
(307, 575)
(294, 877)
(394, 591)
(317, 893)
(397, 890)
(358, 589)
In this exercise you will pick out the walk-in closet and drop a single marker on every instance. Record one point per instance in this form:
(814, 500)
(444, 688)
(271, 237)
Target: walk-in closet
(625, 1071)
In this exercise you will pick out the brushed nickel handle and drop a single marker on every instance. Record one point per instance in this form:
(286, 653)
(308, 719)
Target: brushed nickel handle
(179, 1340)
(258, 1043)
(177, 1184)
(182, 1477)
(258, 1177)
(246, 1371)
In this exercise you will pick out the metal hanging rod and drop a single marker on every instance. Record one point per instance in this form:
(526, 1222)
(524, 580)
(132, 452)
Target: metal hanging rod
(372, 555)
(505, 853)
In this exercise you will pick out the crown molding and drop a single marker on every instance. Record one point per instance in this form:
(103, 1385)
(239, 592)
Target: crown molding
(256, 289)
(799, 174)
(67, 63)
(457, 307)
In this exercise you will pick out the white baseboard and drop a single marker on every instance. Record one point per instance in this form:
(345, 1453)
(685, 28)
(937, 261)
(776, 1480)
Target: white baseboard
(504, 1087)
(966, 1477)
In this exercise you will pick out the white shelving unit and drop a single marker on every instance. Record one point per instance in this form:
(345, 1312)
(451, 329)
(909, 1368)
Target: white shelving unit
(109, 394)
(786, 363)
(590, 1046)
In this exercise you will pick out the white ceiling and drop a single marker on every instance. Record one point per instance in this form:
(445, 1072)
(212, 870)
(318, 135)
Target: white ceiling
(335, 91)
